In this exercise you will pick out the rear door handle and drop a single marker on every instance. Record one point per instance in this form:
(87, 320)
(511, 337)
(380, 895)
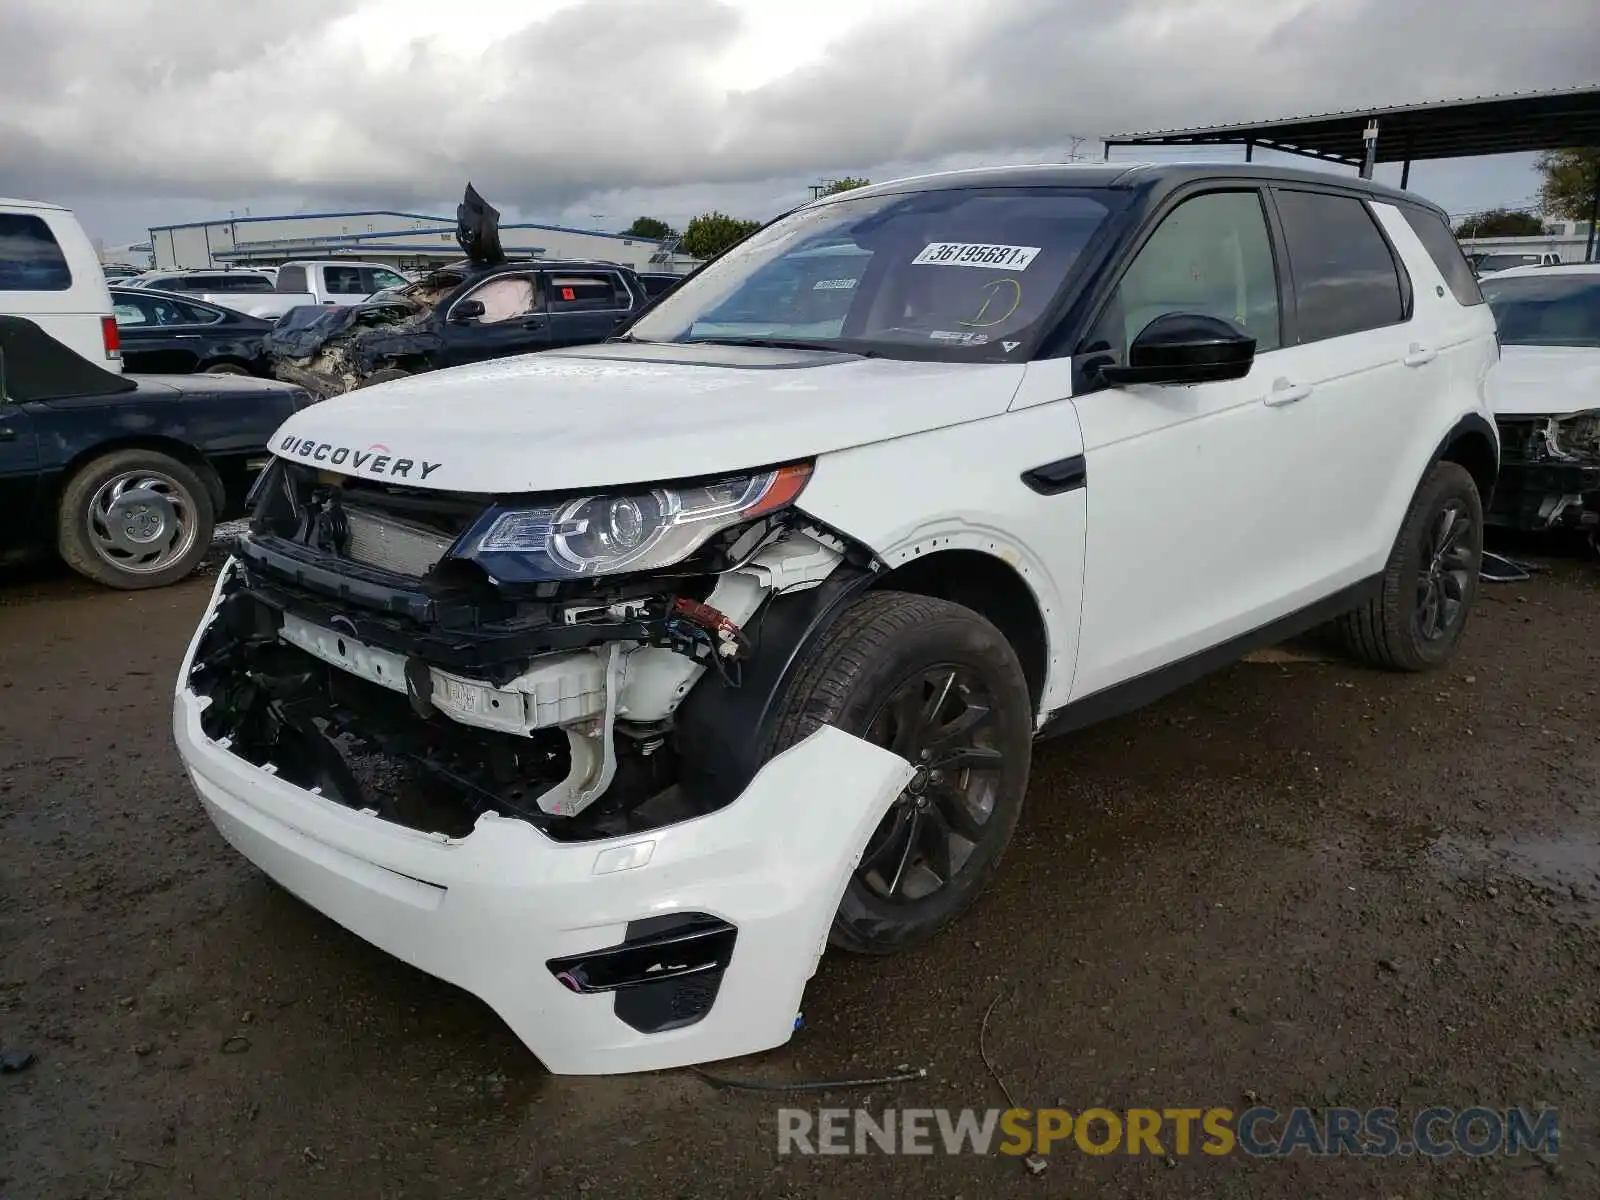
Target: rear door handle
(1419, 355)
(7, 434)
(1283, 392)
(533, 323)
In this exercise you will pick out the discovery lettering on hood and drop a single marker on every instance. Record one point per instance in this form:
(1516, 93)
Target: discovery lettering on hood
(377, 459)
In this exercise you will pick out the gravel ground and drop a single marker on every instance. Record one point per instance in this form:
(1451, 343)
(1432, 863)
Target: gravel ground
(1298, 881)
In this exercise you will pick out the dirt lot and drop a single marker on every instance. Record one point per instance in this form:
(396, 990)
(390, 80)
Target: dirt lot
(1298, 881)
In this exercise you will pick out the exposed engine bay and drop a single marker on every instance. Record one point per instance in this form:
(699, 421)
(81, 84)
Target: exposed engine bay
(1550, 473)
(332, 351)
(354, 656)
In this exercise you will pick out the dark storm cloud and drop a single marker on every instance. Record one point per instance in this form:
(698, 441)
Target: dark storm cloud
(225, 102)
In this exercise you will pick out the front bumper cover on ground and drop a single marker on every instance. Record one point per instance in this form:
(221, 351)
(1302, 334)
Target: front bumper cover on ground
(505, 911)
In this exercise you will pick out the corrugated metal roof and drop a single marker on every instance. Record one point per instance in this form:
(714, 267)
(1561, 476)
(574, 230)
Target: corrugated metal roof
(1358, 113)
(1506, 123)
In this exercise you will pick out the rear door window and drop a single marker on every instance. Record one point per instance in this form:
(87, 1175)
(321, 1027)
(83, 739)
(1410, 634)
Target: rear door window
(572, 292)
(344, 281)
(30, 258)
(1346, 279)
(1445, 251)
(292, 279)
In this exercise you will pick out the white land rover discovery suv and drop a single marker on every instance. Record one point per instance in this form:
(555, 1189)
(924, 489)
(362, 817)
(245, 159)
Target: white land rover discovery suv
(613, 683)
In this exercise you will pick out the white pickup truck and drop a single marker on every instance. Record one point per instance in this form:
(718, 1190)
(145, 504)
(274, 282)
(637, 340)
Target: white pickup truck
(337, 283)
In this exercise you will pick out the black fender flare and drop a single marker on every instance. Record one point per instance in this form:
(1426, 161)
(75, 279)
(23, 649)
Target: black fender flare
(721, 732)
(1472, 423)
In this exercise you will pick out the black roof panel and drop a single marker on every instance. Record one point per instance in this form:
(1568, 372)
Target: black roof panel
(1129, 176)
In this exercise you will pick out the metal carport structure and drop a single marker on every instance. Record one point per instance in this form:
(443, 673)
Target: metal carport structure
(1509, 124)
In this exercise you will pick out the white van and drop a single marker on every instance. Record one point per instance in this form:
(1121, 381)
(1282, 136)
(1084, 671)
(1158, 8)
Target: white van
(50, 274)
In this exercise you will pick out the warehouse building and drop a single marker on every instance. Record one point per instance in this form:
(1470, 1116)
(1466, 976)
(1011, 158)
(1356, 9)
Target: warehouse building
(405, 241)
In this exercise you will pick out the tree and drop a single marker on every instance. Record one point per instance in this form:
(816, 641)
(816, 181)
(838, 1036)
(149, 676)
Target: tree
(1500, 222)
(1569, 182)
(847, 184)
(709, 234)
(649, 227)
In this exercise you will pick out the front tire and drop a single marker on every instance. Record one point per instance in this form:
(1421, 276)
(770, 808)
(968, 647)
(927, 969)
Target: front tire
(225, 368)
(938, 684)
(134, 519)
(1430, 581)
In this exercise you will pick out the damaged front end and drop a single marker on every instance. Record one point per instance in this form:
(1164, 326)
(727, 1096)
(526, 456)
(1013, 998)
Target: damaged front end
(363, 659)
(330, 351)
(552, 792)
(1549, 473)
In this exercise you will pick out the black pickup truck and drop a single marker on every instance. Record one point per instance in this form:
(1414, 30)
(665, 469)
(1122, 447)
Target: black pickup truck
(124, 475)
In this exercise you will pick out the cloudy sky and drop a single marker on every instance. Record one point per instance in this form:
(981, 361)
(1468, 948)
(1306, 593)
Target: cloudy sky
(592, 112)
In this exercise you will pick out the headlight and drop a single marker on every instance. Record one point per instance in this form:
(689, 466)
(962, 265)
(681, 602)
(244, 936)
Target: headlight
(624, 531)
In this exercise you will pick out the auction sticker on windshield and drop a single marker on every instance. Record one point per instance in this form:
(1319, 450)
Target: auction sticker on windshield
(975, 254)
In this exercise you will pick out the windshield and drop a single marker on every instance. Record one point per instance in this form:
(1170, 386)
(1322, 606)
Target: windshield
(1546, 310)
(966, 274)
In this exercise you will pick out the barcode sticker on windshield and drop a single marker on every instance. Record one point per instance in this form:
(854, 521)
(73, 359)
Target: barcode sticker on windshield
(975, 254)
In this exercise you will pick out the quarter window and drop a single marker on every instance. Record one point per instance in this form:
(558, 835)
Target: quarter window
(1210, 255)
(1445, 251)
(30, 258)
(1345, 277)
(129, 313)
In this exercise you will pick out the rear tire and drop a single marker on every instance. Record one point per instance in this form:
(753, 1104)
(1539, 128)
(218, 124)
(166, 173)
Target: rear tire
(940, 685)
(134, 519)
(1430, 581)
(225, 369)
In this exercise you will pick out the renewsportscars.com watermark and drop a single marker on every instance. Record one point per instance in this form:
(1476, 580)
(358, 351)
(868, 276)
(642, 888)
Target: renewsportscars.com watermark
(1259, 1131)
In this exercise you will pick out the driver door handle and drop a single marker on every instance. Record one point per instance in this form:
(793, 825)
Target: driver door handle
(533, 323)
(1419, 355)
(1283, 392)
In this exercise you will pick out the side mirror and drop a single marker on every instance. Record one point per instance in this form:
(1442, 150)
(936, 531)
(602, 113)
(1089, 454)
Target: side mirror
(466, 312)
(1186, 348)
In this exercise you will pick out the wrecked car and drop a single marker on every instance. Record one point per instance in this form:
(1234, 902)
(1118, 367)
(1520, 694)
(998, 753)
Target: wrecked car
(455, 315)
(484, 307)
(615, 709)
(1547, 398)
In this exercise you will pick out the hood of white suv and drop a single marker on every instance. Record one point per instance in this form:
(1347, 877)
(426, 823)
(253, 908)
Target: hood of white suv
(633, 413)
(1556, 381)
